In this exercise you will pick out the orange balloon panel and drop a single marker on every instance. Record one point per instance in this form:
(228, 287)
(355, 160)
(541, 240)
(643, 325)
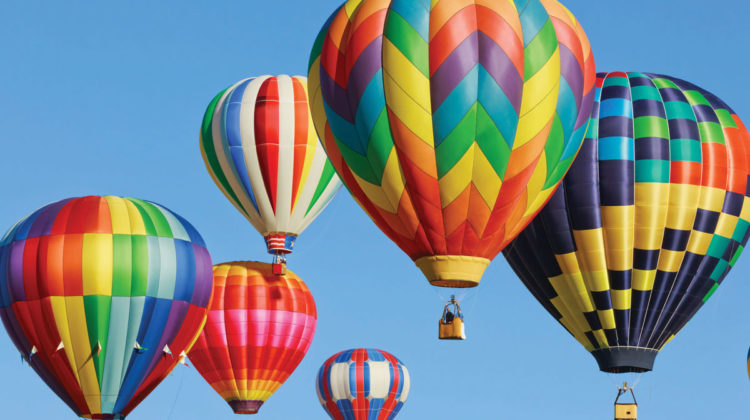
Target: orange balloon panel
(259, 328)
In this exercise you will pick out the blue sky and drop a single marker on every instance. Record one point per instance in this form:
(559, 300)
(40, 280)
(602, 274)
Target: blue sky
(108, 99)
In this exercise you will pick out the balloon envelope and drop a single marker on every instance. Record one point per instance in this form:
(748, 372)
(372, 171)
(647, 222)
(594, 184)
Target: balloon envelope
(648, 222)
(362, 384)
(451, 122)
(260, 147)
(259, 328)
(101, 295)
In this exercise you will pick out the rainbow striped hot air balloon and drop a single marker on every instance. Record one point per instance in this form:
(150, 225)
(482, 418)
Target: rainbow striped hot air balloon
(260, 147)
(258, 330)
(451, 122)
(648, 222)
(103, 296)
(362, 384)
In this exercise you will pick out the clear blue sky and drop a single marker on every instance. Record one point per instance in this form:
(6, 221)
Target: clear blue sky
(107, 99)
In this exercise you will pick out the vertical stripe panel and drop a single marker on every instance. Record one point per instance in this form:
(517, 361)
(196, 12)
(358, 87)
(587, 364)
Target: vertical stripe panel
(251, 155)
(286, 140)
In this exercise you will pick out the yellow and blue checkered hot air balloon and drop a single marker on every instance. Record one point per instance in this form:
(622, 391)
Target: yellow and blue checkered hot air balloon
(648, 222)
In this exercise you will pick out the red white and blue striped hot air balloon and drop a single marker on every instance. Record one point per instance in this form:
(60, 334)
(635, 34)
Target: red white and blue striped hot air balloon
(261, 149)
(362, 384)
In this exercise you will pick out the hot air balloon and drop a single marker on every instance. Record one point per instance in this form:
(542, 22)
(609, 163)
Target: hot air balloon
(648, 222)
(103, 296)
(260, 147)
(451, 122)
(362, 384)
(259, 328)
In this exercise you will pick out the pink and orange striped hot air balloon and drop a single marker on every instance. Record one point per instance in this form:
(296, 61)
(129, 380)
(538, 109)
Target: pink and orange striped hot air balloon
(259, 328)
(451, 122)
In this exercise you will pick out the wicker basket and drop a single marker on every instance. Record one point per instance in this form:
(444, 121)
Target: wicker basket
(451, 324)
(453, 330)
(626, 411)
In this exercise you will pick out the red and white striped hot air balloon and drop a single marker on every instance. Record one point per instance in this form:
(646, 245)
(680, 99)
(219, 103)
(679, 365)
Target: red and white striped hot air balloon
(261, 149)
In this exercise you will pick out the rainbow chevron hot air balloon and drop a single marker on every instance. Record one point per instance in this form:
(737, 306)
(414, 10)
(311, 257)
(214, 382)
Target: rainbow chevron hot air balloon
(101, 295)
(260, 147)
(451, 121)
(258, 330)
(648, 222)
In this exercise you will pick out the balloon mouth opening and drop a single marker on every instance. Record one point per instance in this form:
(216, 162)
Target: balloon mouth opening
(458, 271)
(625, 359)
(245, 406)
(107, 416)
(455, 283)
